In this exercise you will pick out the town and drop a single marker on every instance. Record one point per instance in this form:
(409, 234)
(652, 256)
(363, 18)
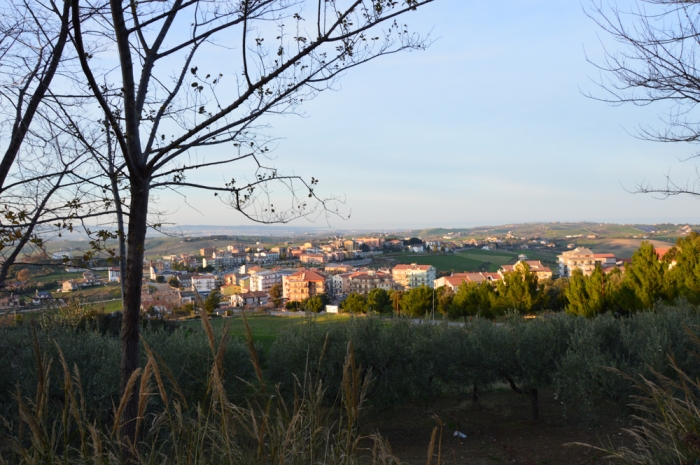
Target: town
(319, 275)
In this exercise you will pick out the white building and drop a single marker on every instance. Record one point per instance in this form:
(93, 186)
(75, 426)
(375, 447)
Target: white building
(204, 283)
(114, 275)
(338, 284)
(414, 275)
(262, 281)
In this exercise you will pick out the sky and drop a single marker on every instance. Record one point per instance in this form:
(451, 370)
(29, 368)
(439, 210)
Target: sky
(489, 125)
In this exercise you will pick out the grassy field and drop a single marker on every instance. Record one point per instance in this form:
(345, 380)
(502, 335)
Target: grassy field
(265, 328)
(56, 276)
(99, 292)
(473, 260)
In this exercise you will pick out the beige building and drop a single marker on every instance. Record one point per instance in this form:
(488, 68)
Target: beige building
(583, 259)
(313, 258)
(536, 267)
(364, 281)
(302, 285)
(414, 275)
(375, 242)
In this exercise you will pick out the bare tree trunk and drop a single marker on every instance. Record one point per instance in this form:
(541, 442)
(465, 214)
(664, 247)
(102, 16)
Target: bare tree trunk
(534, 398)
(132, 299)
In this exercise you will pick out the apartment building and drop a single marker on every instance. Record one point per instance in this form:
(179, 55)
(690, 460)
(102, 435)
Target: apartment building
(207, 251)
(303, 284)
(264, 280)
(374, 242)
(224, 260)
(414, 275)
(362, 282)
(204, 283)
(312, 258)
(583, 259)
(338, 284)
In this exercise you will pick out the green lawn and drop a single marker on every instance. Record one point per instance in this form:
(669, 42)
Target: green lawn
(473, 260)
(265, 328)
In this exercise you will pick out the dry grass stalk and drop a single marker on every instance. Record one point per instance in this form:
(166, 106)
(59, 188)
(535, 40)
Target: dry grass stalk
(265, 430)
(667, 429)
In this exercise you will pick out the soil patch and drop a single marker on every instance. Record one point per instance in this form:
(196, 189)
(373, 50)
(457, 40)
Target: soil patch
(498, 429)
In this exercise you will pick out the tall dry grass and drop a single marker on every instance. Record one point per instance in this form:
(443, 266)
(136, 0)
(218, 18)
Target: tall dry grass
(265, 429)
(667, 419)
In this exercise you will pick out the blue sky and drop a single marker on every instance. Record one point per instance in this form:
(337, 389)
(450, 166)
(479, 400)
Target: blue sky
(487, 126)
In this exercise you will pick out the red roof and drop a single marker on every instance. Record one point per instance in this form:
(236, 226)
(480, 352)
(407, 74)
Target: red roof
(308, 275)
(661, 251)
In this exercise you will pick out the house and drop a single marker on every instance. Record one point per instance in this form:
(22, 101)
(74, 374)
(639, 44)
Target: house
(9, 301)
(255, 298)
(186, 297)
(41, 297)
(536, 267)
(230, 289)
(185, 281)
(204, 283)
(414, 275)
(303, 284)
(114, 275)
(69, 286)
(89, 278)
(416, 248)
(362, 282)
(456, 279)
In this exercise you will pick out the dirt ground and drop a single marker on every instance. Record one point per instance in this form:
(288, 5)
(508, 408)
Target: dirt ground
(498, 430)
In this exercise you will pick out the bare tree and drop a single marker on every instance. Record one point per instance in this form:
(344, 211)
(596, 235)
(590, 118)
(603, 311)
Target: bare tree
(657, 63)
(195, 83)
(41, 166)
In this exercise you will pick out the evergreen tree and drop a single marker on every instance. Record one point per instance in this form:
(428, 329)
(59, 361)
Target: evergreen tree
(644, 279)
(517, 290)
(417, 302)
(378, 300)
(472, 299)
(683, 277)
(354, 303)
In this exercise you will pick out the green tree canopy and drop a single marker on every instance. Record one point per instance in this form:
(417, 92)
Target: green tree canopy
(517, 291)
(644, 279)
(417, 302)
(276, 294)
(354, 303)
(212, 301)
(472, 299)
(683, 277)
(378, 300)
